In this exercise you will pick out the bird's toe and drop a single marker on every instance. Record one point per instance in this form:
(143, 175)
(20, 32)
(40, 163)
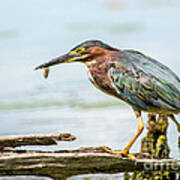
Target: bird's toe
(116, 152)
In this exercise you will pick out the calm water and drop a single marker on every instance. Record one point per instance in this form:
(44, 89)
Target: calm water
(32, 32)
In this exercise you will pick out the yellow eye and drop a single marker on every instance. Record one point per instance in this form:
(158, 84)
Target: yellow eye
(77, 50)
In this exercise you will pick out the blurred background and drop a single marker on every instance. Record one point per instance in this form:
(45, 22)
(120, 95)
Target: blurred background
(32, 32)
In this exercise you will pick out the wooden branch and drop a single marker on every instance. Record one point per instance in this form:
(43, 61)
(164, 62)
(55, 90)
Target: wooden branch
(39, 139)
(63, 164)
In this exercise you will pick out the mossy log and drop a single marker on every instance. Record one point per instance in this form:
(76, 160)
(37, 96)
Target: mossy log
(66, 163)
(155, 143)
(63, 164)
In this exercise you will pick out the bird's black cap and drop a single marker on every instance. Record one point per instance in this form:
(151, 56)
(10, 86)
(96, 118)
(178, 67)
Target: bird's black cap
(91, 43)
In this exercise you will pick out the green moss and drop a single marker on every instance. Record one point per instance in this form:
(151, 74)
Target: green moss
(155, 143)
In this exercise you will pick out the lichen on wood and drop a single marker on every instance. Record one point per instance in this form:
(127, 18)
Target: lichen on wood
(66, 163)
(155, 143)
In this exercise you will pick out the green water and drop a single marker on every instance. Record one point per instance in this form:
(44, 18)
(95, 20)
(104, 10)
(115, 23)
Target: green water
(55, 103)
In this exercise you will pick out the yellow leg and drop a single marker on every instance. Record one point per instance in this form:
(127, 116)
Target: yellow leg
(176, 122)
(125, 152)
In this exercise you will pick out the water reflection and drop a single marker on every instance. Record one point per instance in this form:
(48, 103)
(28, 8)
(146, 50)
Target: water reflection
(7, 34)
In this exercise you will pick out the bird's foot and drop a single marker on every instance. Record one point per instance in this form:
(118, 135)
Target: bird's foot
(123, 153)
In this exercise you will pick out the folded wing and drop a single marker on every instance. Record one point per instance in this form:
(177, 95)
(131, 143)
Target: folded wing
(144, 82)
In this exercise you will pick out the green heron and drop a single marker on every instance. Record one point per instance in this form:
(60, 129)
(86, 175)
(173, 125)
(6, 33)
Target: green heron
(141, 81)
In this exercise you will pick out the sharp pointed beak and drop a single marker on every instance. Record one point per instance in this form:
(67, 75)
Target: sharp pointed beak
(62, 59)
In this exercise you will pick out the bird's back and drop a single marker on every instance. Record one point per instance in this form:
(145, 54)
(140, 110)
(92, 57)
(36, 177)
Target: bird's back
(153, 67)
(144, 82)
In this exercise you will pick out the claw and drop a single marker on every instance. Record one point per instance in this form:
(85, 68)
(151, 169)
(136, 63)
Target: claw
(123, 153)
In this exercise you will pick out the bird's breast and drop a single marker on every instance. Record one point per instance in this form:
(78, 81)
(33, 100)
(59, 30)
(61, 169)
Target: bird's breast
(99, 78)
(90, 76)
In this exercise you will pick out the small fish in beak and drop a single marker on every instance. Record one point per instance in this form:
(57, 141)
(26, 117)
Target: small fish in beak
(66, 58)
(62, 59)
(46, 72)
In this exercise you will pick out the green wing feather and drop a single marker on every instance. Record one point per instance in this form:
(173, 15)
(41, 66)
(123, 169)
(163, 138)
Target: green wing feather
(144, 82)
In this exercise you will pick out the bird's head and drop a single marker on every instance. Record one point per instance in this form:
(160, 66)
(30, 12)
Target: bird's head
(83, 52)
